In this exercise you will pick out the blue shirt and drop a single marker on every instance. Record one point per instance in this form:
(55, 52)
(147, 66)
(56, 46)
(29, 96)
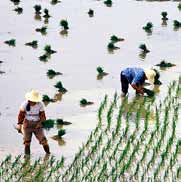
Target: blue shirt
(134, 75)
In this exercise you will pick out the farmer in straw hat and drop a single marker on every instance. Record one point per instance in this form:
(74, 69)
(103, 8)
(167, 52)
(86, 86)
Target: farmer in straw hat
(136, 78)
(30, 118)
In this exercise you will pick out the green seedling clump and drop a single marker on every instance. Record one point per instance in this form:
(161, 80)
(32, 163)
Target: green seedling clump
(91, 12)
(11, 42)
(51, 73)
(44, 58)
(108, 3)
(46, 98)
(84, 102)
(62, 122)
(48, 50)
(148, 26)
(61, 132)
(164, 15)
(149, 92)
(55, 2)
(33, 44)
(42, 30)
(64, 24)
(60, 87)
(115, 39)
(100, 70)
(165, 64)
(176, 24)
(19, 10)
(16, 2)
(179, 6)
(111, 46)
(48, 124)
(101, 73)
(144, 48)
(46, 15)
(37, 9)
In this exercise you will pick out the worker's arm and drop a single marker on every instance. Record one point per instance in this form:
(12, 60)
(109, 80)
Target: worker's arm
(21, 117)
(138, 88)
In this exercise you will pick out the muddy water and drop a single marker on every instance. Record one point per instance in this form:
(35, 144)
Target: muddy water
(77, 57)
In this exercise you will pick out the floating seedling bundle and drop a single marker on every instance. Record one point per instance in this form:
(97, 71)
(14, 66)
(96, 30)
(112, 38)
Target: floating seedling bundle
(126, 145)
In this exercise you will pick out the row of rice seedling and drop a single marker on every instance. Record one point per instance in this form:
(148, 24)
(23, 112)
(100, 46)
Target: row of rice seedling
(138, 151)
(123, 146)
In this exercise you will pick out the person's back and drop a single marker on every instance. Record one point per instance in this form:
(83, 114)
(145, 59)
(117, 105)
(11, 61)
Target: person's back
(134, 75)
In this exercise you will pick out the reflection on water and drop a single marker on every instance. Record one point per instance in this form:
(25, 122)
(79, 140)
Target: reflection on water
(134, 105)
(64, 33)
(164, 23)
(58, 97)
(142, 55)
(37, 17)
(59, 140)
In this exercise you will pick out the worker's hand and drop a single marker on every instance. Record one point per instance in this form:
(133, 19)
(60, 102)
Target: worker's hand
(39, 125)
(19, 128)
(138, 88)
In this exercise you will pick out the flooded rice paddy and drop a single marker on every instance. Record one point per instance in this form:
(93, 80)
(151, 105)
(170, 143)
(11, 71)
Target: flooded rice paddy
(78, 55)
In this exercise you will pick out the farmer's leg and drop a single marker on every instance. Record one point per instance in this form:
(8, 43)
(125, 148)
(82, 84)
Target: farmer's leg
(42, 139)
(27, 140)
(124, 84)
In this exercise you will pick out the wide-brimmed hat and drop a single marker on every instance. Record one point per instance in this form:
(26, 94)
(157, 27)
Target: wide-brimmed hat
(150, 74)
(33, 96)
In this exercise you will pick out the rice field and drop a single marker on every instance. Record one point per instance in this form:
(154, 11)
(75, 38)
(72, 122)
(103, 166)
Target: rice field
(124, 146)
(73, 52)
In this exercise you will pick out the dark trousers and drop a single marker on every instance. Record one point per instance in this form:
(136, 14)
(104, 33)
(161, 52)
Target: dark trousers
(124, 84)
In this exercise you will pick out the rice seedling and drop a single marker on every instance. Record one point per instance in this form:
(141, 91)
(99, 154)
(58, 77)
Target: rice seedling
(149, 92)
(46, 13)
(84, 102)
(179, 173)
(179, 6)
(16, 2)
(64, 24)
(101, 73)
(19, 10)
(112, 47)
(53, 2)
(143, 47)
(37, 9)
(11, 42)
(43, 58)
(164, 15)
(176, 24)
(148, 27)
(46, 98)
(52, 73)
(48, 124)
(179, 146)
(33, 44)
(42, 30)
(61, 132)
(60, 87)
(165, 64)
(62, 122)
(108, 3)
(48, 50)
(91, 12)
(115, 39)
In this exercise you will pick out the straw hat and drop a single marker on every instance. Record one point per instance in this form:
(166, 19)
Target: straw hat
(33, 96)
(150, 74)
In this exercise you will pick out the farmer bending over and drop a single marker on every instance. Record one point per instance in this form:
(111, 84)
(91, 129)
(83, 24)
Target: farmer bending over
(30, 116)
(136, 78)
